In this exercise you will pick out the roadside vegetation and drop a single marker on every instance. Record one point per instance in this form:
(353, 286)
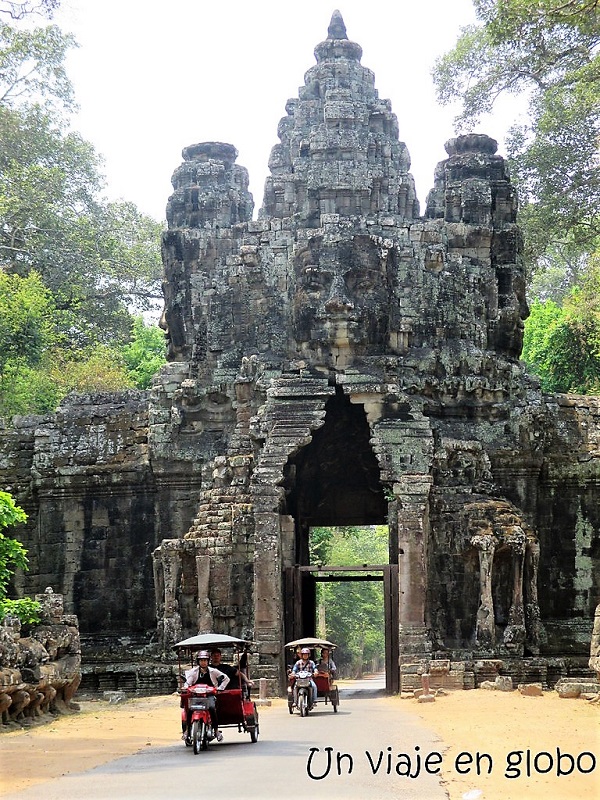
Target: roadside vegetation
(13, 557)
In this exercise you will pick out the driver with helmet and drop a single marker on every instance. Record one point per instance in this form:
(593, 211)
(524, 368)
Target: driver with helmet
(305, 664)
(210, 676)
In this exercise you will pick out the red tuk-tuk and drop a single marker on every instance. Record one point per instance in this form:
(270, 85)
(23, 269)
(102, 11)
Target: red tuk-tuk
(199, 703)
(327, 691)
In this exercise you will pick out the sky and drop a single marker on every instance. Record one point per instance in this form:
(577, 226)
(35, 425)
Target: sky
(153, 77)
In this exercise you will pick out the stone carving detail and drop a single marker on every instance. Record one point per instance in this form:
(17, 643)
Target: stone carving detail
(595, 645)
(501, 531)
(485, 631)
(39, 673)
(341, 301)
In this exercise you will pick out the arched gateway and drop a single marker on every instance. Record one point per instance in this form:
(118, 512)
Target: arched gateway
(343, 360)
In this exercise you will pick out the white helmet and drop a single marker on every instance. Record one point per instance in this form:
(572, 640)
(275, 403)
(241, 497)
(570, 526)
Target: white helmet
(203, 654)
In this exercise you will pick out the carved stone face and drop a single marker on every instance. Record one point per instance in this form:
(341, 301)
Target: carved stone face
(341, 300)
(512, 313)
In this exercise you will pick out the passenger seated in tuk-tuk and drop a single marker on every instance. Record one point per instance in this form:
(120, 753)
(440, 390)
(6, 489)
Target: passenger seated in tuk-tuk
(236, 676)
(210, 676)
(305, 664)
(327, 664)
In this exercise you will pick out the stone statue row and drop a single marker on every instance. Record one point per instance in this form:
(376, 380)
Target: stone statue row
(41, 671)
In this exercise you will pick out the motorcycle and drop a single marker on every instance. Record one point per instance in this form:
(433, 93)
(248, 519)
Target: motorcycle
(196, 703)
(302, 690)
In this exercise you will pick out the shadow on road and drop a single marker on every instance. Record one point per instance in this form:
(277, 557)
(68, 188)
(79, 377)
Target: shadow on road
(367, 687)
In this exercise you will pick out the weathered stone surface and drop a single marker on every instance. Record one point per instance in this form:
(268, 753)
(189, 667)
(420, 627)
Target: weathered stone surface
(531, 689)
(342, 360)
(595, 644)
(572, 689)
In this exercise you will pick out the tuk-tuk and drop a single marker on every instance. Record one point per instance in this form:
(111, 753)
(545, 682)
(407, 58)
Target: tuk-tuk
(327, 691)
(199, 703)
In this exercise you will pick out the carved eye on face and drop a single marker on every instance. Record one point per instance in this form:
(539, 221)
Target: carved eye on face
(361, 283)
(312, 280)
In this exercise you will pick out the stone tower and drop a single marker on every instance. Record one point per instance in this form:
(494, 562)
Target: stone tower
(344, 361)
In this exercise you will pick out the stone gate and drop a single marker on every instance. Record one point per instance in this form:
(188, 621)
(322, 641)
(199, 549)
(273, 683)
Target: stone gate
(341, 360)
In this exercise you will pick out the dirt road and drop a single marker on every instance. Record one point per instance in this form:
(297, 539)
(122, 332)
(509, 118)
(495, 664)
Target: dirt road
(133, 750)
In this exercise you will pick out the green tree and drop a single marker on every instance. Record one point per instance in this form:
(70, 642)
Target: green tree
(93, 262)
(36, 372)
(27, 335)
(145, 354)
(32, 67)
(562, 343)
(354, 611)
(13, 556)
(547, 51)
(19, 10)
(28, 390)
(12, 553)
(40, 389)
(27, 329)
(98, 259)
(98, 369)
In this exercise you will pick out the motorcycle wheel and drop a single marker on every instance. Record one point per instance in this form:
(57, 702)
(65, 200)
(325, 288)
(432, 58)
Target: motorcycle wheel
(303, 703)
(253, 729)
(207, 736)
(198, 736)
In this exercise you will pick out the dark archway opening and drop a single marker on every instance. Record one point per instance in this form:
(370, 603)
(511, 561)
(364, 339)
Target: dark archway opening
(335, 480)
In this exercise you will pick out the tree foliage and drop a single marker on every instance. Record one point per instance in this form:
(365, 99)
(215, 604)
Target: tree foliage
(36, 372)
(20, 10)
(74, 268)
(13, 556)
(354, 611)
(32, 67)
(27, 329)
(12, 553)
(562, 343)
(37, 385)
(145, 354)
(99, 259)
(549, 52)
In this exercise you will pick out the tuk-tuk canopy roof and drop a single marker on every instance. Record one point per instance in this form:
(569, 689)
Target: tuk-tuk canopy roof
(208, 640)
(311, 641)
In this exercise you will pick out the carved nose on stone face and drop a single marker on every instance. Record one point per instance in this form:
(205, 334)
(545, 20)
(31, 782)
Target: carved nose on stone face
(338, 301)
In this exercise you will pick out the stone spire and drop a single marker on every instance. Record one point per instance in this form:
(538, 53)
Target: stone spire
(339, 150)
(209, 188)
(337, 28)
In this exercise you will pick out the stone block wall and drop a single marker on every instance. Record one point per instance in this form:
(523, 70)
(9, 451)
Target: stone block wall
(96, 508)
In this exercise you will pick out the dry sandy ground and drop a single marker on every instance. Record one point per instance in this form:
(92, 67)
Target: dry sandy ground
(502, 723)
(471, 722)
